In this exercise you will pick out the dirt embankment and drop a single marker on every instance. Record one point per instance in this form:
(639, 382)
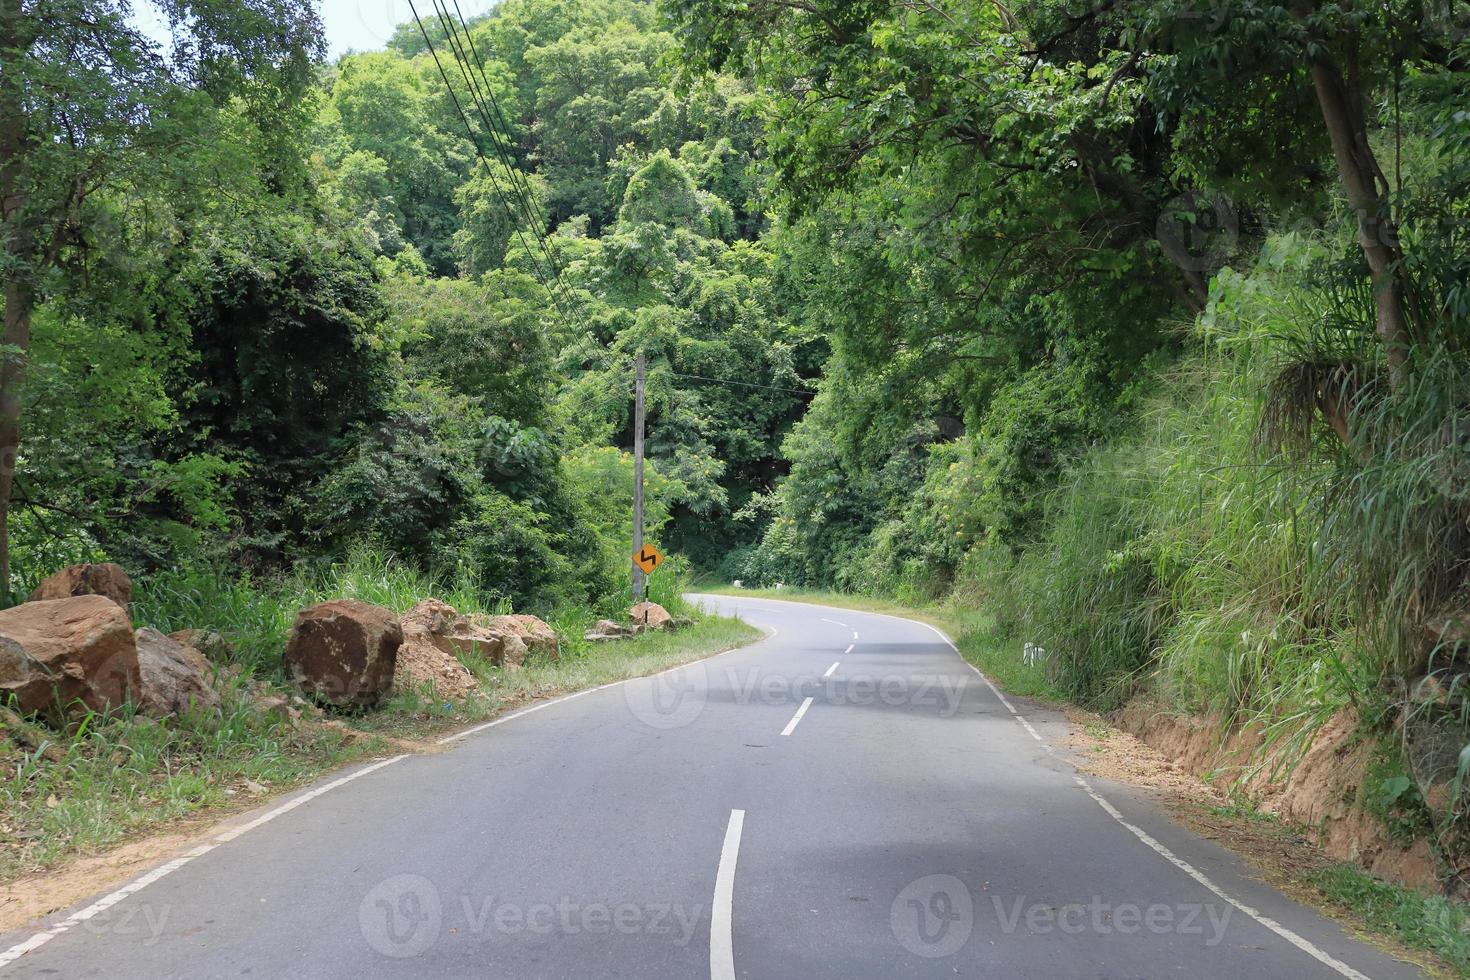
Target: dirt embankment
(1319, 794)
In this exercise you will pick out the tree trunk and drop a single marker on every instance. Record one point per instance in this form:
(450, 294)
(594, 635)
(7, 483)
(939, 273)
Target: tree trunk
(1367, 194)
(19, 301)
(19, 245)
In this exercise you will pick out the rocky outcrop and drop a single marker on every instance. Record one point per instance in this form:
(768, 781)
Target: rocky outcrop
(173, 678)
(605, 629)
(343, 652)
(105, 579)
(432, 634)
(64, 656)
(531, 636)
(650, 615)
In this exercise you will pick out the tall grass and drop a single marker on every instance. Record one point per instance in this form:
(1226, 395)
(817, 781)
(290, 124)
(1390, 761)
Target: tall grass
(1283, 536)
(255, 615)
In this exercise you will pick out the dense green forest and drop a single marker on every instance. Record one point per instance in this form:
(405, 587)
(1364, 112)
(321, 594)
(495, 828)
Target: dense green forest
(321, 306)
(1140, 325)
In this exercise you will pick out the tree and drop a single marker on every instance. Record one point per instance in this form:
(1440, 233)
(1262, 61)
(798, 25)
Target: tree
(1003, 124)
(397, 111)
(89, 105)
(492, 213)
(1342, 58)
(593, 94)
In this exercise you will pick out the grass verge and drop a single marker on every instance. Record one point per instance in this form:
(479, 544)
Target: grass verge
(121, 775)
(1428, 922)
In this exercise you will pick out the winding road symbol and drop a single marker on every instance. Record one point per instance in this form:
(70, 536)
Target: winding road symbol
(647, 558)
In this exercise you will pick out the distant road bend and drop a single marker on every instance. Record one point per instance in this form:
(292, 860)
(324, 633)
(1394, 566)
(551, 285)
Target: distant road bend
(846, 798)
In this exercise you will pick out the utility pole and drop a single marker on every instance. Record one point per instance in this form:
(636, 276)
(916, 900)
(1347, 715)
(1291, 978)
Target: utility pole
(642, 366)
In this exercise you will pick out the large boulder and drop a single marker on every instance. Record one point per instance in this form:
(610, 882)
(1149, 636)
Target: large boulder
(343, 652)
(105, 579)
(431, 616)
(428, 654)
(75, 653)
(522, 636)
(650, 615)
(174, 677)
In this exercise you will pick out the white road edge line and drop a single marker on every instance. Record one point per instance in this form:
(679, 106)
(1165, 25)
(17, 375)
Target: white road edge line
(1305, 945)
(143, 881)
(721, 937)
(833, 667)
(796, 718)
(516, 714)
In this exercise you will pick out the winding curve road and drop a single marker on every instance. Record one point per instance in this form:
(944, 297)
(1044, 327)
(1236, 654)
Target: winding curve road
(846, 798)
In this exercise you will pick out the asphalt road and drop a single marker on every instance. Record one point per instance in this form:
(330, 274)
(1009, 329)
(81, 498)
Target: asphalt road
(845, 799)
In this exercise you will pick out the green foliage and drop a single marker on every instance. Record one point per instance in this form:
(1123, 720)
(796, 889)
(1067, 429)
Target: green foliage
(1429, 922)
(662, 192)
(913, 284)
(491, 216)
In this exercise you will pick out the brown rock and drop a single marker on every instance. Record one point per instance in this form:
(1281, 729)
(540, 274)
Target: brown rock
(452, 633)
(343, 652)
(650, 614)
(536, 637)
(514, 650)
(605, 629)
(431, 616)
(105, 580)
(432, 631)
(210, 646)
(73, 651)
(32, 737)
(421, 662)
(277, 707)
(174, 677)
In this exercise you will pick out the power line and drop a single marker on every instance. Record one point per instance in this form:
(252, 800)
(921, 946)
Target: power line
(480, 151)
(518, 180)
(519, 187)
(744, 384)
(460, 63)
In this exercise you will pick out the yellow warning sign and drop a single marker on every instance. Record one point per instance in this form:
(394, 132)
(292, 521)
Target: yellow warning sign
(647, 558)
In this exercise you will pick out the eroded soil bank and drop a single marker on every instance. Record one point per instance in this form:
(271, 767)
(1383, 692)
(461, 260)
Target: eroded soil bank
(1320, 794)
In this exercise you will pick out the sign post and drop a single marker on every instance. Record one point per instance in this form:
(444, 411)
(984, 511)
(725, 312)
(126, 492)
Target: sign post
(638, 571)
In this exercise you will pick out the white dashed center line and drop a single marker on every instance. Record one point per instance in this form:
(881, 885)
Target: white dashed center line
(796, 718)
(721, 940)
